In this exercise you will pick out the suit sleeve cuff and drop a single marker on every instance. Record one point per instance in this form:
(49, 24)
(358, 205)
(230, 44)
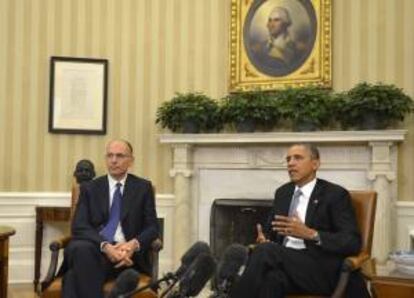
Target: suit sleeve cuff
(317, 238)
(102, 245)
(137, 244)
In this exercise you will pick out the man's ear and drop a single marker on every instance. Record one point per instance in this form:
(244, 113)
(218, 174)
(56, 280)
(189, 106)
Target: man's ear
(316, 164)
(131, 163)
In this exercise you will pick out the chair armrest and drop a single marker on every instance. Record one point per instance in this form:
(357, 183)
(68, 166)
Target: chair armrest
(55, 247)
(355, 262)
(350, 264)
(60, 243)
(156, 246)
(369, 269)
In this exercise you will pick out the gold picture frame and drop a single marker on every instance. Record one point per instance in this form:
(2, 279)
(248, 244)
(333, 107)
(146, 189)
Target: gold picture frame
(299, 55)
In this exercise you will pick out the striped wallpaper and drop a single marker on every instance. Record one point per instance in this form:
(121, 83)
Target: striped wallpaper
(155, 48)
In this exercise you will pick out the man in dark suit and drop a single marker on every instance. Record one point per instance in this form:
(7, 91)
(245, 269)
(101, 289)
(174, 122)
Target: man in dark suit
(312, 228)
(113, 226)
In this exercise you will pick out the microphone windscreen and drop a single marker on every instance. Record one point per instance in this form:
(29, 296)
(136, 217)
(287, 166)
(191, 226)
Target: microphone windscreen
(190, 255)
(197, 275)
(126, 282)
(234, 257)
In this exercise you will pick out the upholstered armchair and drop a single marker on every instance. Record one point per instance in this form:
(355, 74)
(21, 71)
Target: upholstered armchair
(364, 203)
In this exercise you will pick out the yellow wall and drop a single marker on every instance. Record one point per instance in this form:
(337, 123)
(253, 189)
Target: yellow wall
(157, 47)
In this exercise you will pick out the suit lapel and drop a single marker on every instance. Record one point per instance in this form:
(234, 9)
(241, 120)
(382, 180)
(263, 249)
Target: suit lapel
(314, 201)
(104, 195)
(126, 199)
(287, 200)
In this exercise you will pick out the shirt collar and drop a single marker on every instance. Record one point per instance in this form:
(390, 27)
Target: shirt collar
(307, 188)
(112, 182)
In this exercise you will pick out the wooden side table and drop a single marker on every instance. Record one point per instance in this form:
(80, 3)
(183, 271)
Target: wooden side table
(5, 233)
(389, 282)
(45, 213)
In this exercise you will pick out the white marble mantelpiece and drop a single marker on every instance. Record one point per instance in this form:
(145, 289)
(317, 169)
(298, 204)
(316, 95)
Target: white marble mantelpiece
(252, 165)
(361, 136)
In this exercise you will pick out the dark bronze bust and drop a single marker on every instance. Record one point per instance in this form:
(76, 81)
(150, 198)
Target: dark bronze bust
(84, 171)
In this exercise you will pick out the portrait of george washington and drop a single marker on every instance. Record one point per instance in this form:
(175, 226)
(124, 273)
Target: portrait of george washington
(279, 35)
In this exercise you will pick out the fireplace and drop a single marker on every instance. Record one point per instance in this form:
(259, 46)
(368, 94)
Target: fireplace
(234, 221)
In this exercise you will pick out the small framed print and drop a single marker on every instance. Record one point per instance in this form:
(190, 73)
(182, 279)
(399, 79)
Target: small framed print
(78, 95)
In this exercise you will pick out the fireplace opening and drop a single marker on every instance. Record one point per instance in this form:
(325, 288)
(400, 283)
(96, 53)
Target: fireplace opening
(234, 221)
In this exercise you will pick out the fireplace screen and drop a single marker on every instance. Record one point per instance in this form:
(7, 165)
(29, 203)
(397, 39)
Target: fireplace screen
(234, 221)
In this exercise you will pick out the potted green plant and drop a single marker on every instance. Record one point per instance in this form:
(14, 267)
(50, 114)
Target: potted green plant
(373, 106)
(189, 113)
(308, 108)
(247, 111)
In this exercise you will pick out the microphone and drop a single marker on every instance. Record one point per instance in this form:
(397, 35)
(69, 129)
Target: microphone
(192, 253)
(230, 268)
(197, 275)
(187, 259)
(125, 282)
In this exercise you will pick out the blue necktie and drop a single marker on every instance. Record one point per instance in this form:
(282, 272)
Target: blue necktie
(109, 230)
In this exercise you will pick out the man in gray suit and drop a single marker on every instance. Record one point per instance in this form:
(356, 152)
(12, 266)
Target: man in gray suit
(113, 227)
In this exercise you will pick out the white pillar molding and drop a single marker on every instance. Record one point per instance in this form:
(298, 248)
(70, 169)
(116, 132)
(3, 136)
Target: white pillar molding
(382, 174)
(382, 241)
(381, 163)
(182, 173)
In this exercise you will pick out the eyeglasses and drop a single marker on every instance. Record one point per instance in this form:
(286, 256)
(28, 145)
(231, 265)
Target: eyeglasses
(117, 155)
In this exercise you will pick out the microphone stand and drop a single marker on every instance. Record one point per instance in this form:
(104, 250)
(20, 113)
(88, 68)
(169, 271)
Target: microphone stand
(169, 288)
(168, 276)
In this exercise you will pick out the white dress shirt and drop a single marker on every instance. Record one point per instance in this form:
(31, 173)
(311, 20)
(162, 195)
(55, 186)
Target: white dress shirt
(302, 207)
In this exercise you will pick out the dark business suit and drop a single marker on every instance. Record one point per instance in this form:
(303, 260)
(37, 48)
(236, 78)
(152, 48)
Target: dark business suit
(85, 265)
(275, 270)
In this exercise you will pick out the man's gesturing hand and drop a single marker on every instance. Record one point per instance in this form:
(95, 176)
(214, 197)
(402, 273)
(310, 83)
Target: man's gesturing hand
(261, 238)
(292, 226)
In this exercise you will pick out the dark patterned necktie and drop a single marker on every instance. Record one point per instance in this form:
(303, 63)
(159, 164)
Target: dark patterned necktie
(108, 232)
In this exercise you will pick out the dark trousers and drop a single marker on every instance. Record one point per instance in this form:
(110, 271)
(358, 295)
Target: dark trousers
(274, 271)
(87, 270)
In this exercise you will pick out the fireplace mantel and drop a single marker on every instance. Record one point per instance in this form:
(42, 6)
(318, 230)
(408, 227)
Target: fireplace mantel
(252, 165)
(361, 136)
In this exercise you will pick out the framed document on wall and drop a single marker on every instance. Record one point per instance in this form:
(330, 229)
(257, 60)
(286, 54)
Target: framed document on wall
(278, 43)
(78, 95)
